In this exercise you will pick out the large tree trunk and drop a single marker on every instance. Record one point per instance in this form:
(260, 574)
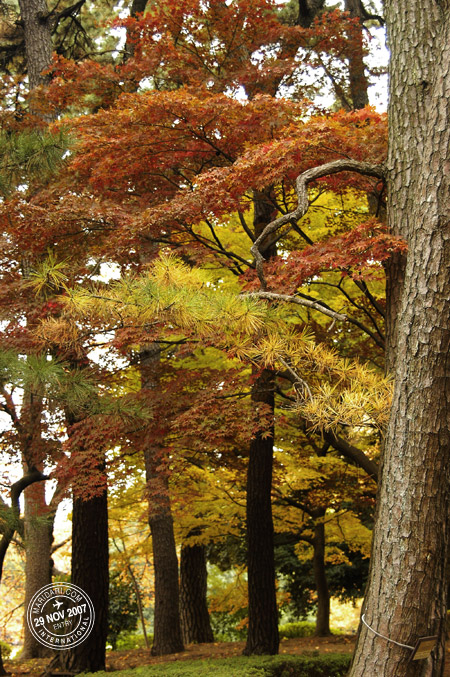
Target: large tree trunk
(412, 64)
(407, 590)
(195, 622)
(38, 561)
(90, 572)
(167, 626)
(320, 578)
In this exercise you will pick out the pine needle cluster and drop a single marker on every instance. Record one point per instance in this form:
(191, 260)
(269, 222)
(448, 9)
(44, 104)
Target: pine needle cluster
(29, 154)
(329, 391)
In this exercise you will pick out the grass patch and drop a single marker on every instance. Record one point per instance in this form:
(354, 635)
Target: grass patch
(329, 665)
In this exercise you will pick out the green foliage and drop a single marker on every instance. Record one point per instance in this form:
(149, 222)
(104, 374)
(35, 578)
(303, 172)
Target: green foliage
(48, 276)
(123, 609)
(298, 629)
(330, 665)
(225, 625)
(48, 378)
(29, 155)
(5, 649)
(331, 391)
(176, 293)
(346, 581)
(131, 640)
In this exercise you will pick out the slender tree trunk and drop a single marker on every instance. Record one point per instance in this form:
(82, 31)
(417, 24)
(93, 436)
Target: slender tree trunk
(38, 517)
(357, 70)
(406, 597)
(167, 626)
(137, 592)
(38, 558)
(195, 622)
(38, 520)
(30, 477)
(262, 637)
(320, 578)
(38, 39)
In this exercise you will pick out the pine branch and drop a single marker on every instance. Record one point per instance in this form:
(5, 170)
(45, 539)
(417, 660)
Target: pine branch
(68, 11)
(299, 301)
(57, 546)
(298, 381)
(368, 16)
(352, 453)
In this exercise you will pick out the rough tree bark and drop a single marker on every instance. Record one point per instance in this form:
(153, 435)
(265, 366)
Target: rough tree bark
(167, 626)
(13, 522)
(356, 67)
(307, 11)
(195, 622)
(38, 39)
(38, 562)
(38, 521)
(262, 637)
(320, 579)
(406, 596)
(90, 572)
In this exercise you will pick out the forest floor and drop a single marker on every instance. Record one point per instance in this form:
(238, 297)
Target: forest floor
(119, 660)
(133, 658)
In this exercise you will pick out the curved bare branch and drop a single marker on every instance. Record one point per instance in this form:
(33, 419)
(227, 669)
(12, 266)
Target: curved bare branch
(301, 187)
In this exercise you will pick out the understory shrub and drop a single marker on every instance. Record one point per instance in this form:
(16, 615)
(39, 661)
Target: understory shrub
(226, 626)
(297, 629)
(131, 640)
(6, 649)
